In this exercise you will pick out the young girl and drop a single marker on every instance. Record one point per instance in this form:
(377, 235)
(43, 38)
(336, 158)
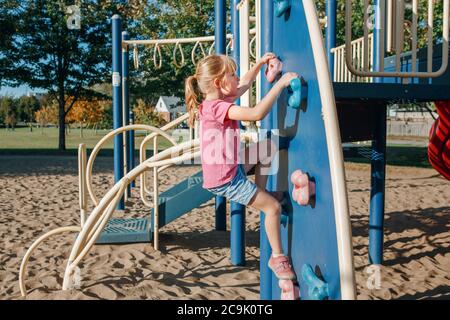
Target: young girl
(209, 97)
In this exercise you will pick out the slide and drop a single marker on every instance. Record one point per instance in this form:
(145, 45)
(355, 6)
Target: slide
(439, 146)
(173, 203)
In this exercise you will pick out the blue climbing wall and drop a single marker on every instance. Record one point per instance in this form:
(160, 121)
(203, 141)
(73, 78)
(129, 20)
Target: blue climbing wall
(310, 235)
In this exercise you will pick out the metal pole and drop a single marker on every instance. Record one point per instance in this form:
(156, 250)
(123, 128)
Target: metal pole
(331, 32)
(237, 231)
(131, 147)
(266, 123)
(378, 49)
(220, 38)
(117, 99)
(378, 162)
(126, 104)
(378, 168)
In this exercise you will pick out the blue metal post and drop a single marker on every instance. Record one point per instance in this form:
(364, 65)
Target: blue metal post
(220, 30)
(237, 234)
(331, 32)
(131, 147)
(378, 168)
(265, 250)
(126, 101)
(117, 99)
(378, 161)
(220, 38)
(237, 231)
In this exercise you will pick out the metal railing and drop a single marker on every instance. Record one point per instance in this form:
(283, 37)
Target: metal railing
(391, 16)
(359, 59)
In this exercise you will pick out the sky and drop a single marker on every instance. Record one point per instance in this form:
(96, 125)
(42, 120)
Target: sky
(17, 92)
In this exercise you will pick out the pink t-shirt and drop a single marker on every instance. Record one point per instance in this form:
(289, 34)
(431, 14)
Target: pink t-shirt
(219, 143)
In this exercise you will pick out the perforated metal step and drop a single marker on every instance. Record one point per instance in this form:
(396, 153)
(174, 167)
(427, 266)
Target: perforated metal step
(129, 230)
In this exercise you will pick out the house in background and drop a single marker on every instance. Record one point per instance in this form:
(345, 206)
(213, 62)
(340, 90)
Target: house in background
(170, 108)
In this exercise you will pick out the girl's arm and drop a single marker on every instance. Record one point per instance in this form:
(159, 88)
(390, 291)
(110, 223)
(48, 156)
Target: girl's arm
(247, 80)
(263, 107)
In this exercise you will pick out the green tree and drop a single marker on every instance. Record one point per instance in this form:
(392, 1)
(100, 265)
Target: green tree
(27, 107)
(106, 122)
(45, 53)
(8, 28)
(167, 19)
(8, 112)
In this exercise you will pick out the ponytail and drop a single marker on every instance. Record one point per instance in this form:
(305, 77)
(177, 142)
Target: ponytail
(192, 97)
(209, 68)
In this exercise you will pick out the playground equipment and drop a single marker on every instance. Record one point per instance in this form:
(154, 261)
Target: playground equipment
(273, 69)
(338, 99)
(303, 188)
(346, 103)
(439, 147)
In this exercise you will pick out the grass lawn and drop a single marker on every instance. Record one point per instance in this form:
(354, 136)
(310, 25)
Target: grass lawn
(397, 155)
(22, 141)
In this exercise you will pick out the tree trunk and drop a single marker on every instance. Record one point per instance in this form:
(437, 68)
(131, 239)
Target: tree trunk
(62, 126)
(81, 130)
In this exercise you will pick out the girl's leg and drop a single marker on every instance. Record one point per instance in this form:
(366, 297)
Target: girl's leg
(259, 154)
(265, 202)
(269, 203)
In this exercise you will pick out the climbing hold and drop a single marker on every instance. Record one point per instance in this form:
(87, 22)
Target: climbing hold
(289, 290)
(273, 69)
(299, 92)
(317, 289)
(281, 6)
(294, 99)
(304, 189)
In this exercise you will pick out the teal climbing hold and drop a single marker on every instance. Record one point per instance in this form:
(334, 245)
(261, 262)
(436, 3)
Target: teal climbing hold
(281, 6)
(317, 289)
(294, 99)
(298, 93)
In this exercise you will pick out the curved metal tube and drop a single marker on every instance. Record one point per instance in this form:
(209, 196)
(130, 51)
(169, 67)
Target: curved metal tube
(106, 139)
(82, 182)
(180, 49)
(156, 50)
(100, 215)
(23, 265)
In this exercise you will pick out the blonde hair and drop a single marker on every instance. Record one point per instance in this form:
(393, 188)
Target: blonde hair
(196, 86)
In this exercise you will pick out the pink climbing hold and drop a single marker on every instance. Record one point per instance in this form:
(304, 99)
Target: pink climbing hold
(289, 290)
(273, 69)
(304, 189)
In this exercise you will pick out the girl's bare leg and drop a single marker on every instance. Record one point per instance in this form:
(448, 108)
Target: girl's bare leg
(260, 155)
(263, 201)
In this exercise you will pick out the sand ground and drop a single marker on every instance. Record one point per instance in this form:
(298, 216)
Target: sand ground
(41, 193)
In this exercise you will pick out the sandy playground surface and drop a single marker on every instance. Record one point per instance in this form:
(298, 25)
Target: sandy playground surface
(41, 193)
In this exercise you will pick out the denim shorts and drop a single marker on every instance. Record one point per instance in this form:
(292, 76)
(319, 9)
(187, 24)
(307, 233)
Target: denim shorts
(239, 189)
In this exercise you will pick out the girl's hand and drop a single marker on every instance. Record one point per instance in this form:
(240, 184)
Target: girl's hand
(285, 80)
(265, 58)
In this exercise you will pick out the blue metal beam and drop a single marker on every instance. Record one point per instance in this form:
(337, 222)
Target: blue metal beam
(237, 211)
(220, 46)
(117, 99)
(331, 32)
(378, 161)
(266, 123)
(126, 101)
